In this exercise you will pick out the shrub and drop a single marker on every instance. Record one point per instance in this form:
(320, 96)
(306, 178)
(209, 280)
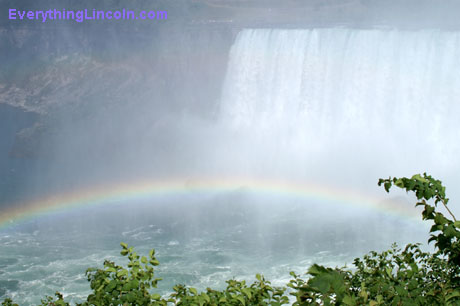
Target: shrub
(397, 276)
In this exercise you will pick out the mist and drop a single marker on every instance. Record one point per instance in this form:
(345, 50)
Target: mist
(339, 93)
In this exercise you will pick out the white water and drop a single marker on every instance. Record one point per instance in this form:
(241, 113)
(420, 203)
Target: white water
(378, 102)
(369, 77)
(333, 104)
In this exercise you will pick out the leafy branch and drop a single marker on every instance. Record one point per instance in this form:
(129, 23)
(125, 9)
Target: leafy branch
(407, 276)
(445, 232)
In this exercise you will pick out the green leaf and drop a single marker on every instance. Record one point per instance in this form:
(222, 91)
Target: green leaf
(317, 269)
(387, 186)
(401, 291)
(247, 291)
(419, 178)
(439, 219)
(450, 231)
(399, 183)
(348, 300)
(223, 300)
(453, 295)
(321, 283)
(241, 299)
(206, 297)
(428, 194)
(389, 271)
(123, 272)
(156, 297)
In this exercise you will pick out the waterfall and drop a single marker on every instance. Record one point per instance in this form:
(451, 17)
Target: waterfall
(379, 93)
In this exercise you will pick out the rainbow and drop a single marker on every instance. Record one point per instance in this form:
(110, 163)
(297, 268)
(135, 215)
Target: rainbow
(148, 189)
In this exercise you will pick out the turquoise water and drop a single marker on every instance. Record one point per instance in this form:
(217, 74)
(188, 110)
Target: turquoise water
(201, 240)
(341, 106)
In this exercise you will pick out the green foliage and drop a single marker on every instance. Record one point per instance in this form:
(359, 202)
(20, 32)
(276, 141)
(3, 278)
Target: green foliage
(115, 285)
(445, 232)
(9, 302)
(397, 276)
(237, 293)
(50, 301)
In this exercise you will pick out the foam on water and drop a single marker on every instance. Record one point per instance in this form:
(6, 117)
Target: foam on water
(335, 104)
(190, 250)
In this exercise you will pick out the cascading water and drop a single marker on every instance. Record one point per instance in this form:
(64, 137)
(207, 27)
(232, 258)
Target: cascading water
(338, 107)
(369, 77)
(380, 99)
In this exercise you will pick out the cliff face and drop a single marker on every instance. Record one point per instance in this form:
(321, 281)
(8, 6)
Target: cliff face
(179, 75)
(76, 72)
(68, 71)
